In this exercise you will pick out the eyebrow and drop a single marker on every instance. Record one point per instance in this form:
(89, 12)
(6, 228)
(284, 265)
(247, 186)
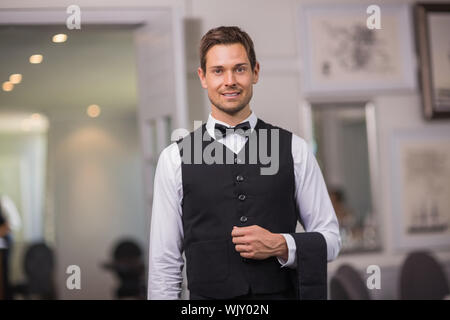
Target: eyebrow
(235, 66)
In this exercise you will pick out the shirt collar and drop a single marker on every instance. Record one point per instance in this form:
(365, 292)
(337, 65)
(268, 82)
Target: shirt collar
(210, 124)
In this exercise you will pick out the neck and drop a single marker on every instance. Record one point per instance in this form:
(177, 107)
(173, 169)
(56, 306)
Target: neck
(231, 119)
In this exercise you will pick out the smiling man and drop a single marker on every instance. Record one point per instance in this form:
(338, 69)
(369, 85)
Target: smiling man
(229, 78)
(235, 224)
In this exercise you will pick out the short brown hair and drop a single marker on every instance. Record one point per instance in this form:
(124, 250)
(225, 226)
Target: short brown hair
(226, 35)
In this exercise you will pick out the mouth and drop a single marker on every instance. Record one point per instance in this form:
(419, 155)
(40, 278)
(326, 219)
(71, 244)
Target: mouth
(231, 95)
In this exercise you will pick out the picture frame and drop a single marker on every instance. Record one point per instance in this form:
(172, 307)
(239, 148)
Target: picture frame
(432, 23)
(341, 56)
(419, 180)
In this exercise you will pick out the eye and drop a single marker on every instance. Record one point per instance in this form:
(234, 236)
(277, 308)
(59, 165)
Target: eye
(217, 71)
(240, 69)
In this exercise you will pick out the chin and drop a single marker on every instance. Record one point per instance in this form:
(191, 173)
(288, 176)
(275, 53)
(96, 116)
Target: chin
(231, 110)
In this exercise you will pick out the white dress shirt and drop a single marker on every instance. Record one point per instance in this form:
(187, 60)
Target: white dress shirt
(166, 235)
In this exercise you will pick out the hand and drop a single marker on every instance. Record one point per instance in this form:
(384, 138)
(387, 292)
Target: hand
(254, 242)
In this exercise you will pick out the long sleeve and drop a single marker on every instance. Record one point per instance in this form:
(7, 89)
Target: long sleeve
(321, 240)
(166, 232)
(314, 204)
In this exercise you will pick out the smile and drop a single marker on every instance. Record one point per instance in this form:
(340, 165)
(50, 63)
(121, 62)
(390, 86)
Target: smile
(234, 94)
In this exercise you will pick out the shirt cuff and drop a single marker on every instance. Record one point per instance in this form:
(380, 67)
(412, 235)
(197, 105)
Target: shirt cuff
(292, 249)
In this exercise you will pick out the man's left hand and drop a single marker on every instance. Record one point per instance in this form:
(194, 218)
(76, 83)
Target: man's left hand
(254, 242)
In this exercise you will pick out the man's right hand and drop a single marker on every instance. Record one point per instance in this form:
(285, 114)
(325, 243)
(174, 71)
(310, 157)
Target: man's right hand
(255, 242)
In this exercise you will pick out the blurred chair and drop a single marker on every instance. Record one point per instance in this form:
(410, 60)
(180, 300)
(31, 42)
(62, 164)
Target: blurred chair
(38, 265)
(347, 284)
(422, 277)
(129, 267)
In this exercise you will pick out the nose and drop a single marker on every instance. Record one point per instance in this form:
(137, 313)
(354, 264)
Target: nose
(230, 79)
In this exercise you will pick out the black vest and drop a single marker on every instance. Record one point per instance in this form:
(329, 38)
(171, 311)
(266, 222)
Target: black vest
(217, 197)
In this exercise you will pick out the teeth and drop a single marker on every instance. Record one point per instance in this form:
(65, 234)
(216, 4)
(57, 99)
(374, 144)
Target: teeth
(230, 94)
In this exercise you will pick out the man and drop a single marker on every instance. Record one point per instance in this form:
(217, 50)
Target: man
(236, 224)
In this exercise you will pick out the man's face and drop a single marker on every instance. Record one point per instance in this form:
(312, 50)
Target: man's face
(229, 77)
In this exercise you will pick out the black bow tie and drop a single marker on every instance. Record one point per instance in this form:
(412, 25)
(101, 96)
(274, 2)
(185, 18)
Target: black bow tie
(221, 131)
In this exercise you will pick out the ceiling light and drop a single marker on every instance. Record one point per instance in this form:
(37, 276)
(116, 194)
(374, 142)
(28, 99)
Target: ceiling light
(36, 58)
(93, 111)
(59, 38)
(15, 78)
(36, 117)
(7, 86)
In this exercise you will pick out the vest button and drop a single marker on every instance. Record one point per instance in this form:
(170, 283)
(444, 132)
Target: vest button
(243, 219)
(242, 197)
(239, 178)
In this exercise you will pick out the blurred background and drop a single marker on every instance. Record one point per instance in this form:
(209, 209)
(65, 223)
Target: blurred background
(84, 114)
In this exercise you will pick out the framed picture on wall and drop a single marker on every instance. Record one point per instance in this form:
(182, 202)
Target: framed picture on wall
(433, 42)
(342, 55)
(420, 188)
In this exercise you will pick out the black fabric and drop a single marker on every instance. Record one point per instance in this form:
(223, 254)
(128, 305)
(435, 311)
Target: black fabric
(217, 197)
(311, 278)
(221, 130)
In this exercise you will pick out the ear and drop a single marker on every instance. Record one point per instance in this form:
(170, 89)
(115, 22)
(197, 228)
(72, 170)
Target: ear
(202, 77)
(256, 73)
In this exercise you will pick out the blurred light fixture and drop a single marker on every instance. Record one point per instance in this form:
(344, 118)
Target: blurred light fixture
(36, 58)
(59, 38)
(36, 117)
(7, 86)
(93, 111)
(15, 78)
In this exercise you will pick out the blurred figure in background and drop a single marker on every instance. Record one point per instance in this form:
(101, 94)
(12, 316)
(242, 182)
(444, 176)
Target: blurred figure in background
(350, 232)
(9, 221)
(129, 267)
(343, 213)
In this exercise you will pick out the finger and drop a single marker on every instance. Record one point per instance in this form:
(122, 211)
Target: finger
(240, 231)
(240, 240)
(237, 232)
(242, 248)
(248, 255)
